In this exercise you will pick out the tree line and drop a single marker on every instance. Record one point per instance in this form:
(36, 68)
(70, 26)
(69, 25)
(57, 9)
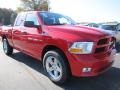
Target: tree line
(7, 16)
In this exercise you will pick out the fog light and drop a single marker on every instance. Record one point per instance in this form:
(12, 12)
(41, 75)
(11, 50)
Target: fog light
(86, 69)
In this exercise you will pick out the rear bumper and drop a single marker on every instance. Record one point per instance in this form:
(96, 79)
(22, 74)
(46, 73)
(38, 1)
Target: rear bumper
(98, 63)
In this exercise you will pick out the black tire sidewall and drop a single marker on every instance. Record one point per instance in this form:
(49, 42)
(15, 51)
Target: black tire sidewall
(57, 55)
(9, 48)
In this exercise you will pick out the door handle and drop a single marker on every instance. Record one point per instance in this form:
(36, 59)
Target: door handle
(16, 32)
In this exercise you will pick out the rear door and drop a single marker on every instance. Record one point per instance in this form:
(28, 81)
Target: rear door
(17, 31)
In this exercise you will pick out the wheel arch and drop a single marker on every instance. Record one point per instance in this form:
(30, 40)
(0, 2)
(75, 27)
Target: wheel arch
(51, 47)
(55, 48)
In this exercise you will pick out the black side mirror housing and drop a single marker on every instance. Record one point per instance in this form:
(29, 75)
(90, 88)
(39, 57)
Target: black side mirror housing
(29, 24)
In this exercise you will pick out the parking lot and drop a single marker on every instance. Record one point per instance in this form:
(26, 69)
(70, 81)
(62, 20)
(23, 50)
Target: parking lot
(21, 72)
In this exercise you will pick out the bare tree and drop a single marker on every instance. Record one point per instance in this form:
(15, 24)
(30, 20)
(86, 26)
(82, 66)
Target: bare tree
(35, 5)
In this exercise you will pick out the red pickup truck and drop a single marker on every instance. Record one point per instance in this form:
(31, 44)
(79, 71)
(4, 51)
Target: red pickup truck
(64, 48)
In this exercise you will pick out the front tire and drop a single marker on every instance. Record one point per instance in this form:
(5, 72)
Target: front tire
(56, 67)
(8, 50)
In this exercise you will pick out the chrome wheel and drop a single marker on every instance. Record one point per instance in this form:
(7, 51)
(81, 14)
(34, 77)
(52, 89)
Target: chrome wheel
(5, 47)
(53, 68)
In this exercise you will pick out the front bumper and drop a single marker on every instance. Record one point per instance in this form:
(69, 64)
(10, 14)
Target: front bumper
(98, 63)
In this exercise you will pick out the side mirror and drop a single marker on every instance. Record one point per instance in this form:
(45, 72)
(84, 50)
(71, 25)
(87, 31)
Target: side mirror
(29, 24)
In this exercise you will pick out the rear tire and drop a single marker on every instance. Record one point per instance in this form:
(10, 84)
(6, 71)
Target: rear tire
(56, 67)
(8, 50)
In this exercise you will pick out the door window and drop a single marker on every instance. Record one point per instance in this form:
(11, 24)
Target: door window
(32, 17)
(20, 19)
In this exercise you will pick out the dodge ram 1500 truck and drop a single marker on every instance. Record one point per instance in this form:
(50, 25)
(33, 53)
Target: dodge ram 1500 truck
(64, 48)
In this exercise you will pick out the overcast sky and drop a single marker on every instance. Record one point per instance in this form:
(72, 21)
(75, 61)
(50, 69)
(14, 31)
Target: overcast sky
(80, 10)
(9, 3)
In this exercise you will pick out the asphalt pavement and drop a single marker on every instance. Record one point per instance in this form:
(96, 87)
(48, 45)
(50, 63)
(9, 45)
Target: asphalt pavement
(21, 72)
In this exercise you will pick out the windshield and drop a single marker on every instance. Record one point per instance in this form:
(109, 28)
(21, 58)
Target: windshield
(55, 19)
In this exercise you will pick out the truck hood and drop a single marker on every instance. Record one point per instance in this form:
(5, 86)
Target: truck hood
(76, 33)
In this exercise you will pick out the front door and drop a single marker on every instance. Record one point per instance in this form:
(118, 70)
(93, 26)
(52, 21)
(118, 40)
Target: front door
(32, 37)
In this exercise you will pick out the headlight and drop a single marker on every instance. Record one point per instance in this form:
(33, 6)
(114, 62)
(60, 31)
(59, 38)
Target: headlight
(81, 47)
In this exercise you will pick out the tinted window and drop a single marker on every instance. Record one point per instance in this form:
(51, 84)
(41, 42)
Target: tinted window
(32, 17)
(118, 27)
(20, 19)
(108, 27)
